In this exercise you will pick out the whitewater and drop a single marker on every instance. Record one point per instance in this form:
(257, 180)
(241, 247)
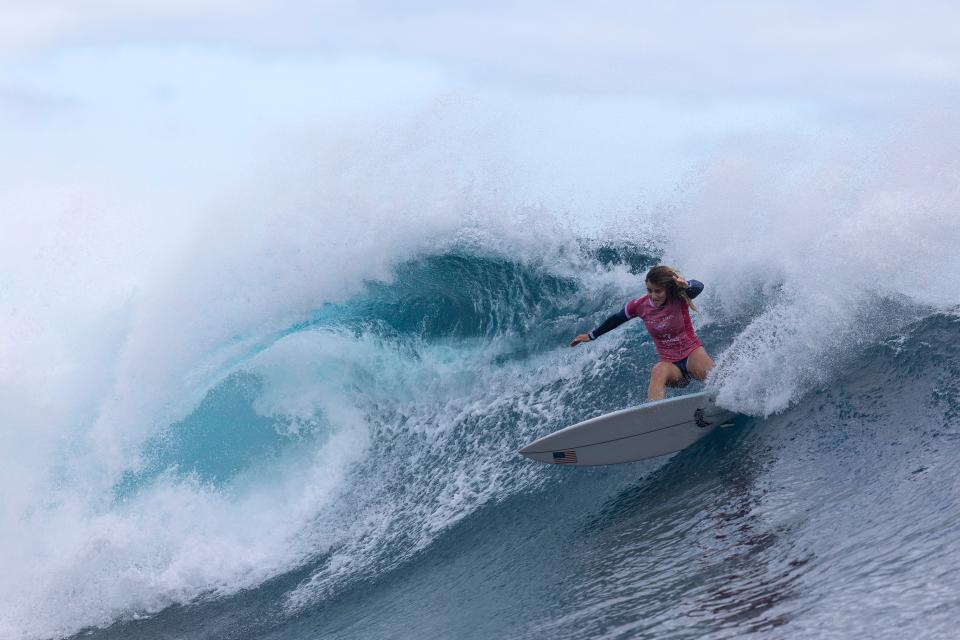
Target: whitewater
(297, 415)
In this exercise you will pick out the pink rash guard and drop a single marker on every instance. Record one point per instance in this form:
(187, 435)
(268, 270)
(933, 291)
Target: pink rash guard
(669, 326)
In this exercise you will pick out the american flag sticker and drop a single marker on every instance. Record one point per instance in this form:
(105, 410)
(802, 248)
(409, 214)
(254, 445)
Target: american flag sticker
(565, 457)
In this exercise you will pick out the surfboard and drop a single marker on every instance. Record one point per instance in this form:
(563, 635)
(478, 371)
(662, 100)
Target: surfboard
(650, 430)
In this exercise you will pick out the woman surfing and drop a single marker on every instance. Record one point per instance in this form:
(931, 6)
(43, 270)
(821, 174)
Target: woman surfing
(665, 312)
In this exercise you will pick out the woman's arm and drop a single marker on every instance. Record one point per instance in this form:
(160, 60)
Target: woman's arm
(691, 287)
(610, 323)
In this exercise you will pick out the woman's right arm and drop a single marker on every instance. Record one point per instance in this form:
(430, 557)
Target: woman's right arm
(610, 323)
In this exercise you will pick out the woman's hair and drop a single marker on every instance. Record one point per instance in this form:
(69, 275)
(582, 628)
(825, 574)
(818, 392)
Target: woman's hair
(663, 276)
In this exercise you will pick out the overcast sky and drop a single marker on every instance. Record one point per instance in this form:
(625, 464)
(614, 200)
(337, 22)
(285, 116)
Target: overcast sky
(590, 97)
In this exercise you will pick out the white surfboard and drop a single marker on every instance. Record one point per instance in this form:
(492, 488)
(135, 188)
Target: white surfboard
(650, 430)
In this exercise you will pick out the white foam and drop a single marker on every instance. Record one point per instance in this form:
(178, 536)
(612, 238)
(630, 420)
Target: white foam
(175, 541)
(822, 235)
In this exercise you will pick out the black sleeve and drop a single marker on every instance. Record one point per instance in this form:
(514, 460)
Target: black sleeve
(612, 322)
(694, 289)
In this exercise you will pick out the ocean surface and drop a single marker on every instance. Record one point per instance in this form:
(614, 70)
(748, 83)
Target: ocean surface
(347, 469)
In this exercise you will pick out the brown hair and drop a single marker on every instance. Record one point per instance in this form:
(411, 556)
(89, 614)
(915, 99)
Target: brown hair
(663, 276)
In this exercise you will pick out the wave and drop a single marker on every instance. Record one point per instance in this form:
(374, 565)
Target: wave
(319, 442)
(336, 448)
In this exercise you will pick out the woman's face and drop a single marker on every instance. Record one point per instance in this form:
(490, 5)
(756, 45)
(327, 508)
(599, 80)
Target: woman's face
(657, 293)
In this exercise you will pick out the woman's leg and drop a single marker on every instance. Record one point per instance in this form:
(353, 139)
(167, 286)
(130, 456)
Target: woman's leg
(699, 364)
(664, 373)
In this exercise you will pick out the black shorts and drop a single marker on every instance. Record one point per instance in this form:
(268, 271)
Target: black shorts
(682, 365)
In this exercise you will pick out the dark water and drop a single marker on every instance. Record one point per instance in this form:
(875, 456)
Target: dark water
(836, 517)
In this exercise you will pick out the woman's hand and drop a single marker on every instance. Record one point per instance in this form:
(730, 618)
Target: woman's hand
(681, 281)
(583, 337)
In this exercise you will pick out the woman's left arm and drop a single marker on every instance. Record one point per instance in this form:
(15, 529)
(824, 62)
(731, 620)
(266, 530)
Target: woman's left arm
(691, 287)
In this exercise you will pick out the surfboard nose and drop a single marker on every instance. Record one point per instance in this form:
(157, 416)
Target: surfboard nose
(530, 451)
(538, 456)
(536, 447)
(565, 456)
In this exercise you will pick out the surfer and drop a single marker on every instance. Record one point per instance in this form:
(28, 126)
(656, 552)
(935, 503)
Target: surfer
(665, 312)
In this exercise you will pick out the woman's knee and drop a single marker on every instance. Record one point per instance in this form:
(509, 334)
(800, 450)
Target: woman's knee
(665, 373)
